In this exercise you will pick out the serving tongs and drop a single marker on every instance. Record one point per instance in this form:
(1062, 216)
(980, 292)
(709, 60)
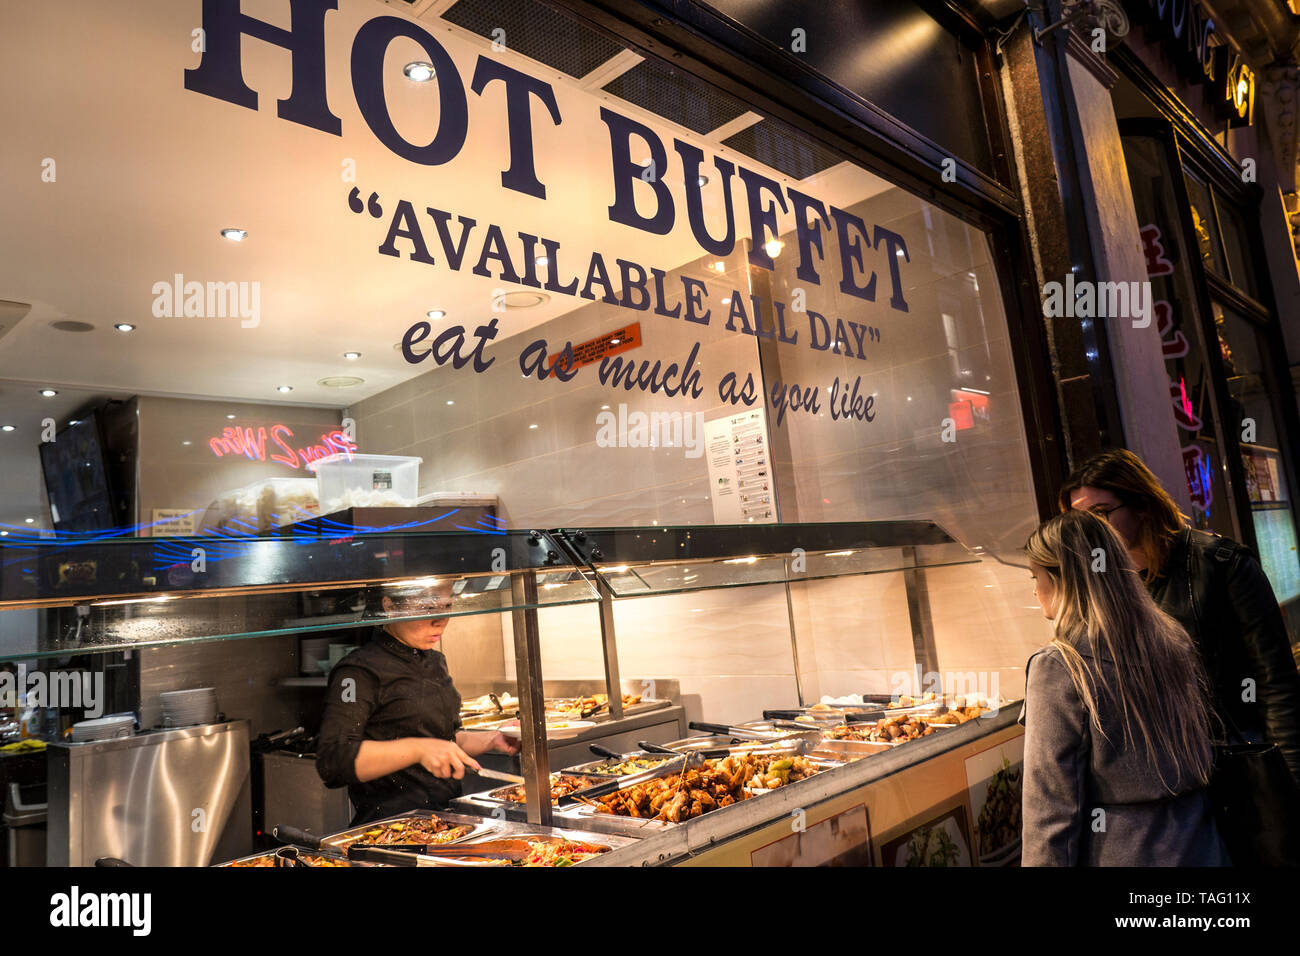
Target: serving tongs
(801, 742)
(295, 838)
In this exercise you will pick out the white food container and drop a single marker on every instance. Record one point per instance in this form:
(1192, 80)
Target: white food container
(366, 481)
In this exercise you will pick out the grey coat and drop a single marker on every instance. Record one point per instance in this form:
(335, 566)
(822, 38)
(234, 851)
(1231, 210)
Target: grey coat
(1093, 802)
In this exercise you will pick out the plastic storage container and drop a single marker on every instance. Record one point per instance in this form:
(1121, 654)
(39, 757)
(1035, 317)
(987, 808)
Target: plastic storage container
(366, 481)
(262, 506)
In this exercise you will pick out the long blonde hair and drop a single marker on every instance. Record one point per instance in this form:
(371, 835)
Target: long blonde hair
(1158, 683)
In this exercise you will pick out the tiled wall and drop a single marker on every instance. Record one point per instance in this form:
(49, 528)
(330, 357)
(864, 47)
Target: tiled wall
(732, 649)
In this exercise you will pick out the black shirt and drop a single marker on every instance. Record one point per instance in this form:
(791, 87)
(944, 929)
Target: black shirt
(398, 691)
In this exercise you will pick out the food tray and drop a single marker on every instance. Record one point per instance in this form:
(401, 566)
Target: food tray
(306, 855)
(482, 828)
(712, 742)
(853, 749)
(524, 831)
(589, 768)
(499, 794)
(770, 727)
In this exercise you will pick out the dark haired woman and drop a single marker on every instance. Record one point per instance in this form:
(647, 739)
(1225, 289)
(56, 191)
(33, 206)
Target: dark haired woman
(391, 727)
(1214, 587)
(1117, 721)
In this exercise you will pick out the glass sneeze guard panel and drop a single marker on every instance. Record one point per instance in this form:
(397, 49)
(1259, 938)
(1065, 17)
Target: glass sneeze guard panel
(63, 596)
(637, 562)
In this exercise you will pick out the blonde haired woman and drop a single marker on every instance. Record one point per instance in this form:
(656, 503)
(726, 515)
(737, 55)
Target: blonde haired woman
(1117, 723)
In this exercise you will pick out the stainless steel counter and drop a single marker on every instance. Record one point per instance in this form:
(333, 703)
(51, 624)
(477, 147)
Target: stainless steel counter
(165, 798)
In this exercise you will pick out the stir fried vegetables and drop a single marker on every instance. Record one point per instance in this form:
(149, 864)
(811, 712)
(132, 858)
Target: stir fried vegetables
(427, 830)
(630, 766)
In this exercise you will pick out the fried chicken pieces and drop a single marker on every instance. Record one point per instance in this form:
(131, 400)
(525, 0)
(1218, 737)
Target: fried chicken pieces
(718, 783)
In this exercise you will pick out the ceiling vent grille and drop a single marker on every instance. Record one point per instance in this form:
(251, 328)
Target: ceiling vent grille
(784, 149)
(676, 96)
(536, 31)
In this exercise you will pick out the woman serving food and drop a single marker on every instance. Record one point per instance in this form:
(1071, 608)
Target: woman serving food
(391, 730)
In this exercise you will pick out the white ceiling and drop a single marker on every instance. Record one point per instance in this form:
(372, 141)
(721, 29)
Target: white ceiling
(148, 173)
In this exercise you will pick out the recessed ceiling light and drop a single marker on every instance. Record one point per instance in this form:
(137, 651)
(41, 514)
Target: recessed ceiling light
(450, 402)
(773, 247)
(6, 428)
(542, 261)
(720, 266)
(4, 534)
(604, 408)
(727, 301)
(419, 71)
(187, 443)
(284, 388)
(353, 356)
(234, 235)
(532, 426)
(68, 325)
(614, 341)
(435, 314)
(524, 300)
(48, 392)
(703, 180)
(30, 520)
(74, 421)
(124, 327)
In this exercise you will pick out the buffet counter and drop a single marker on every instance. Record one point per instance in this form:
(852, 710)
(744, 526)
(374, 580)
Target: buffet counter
(948, 798)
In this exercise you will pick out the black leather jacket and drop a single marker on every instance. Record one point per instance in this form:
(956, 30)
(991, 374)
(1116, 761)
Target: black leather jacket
(1217, 590)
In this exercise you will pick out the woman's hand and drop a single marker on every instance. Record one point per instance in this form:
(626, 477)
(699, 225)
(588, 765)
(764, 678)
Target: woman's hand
(443, 758)
(480, 742)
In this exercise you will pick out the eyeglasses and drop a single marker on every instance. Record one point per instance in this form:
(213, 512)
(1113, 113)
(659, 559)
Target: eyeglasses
(1102, 511)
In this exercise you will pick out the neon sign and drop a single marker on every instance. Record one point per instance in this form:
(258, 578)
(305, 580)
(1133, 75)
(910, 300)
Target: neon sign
(251, 443)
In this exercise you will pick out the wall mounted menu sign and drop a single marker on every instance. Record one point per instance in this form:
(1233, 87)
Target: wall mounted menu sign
(740, 468)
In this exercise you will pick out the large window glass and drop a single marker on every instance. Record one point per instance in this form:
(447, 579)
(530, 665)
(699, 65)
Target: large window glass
(1251, 415)
(1170, 258)
(554, 282)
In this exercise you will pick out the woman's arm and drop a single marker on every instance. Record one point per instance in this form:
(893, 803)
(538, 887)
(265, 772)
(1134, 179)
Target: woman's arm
(1055, 742)
(349, 702)
(476, 742)
(442, 758)
(344, 756)
(1263, 632)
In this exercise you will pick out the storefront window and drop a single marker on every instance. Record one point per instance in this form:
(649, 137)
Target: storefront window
(1251, 415)
(1240, 263)
(479, 272)
(1169, 265)
(1204, 225)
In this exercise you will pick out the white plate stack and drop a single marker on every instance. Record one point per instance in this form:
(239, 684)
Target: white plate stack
(186, 708)
(103, 728)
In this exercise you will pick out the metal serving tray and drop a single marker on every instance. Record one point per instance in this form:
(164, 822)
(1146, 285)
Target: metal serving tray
(641, 706)
(711, 742)
(589, 769)
(853, 749)
(499, 794)
(481, 828)
(508, 830)
(327, 854)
